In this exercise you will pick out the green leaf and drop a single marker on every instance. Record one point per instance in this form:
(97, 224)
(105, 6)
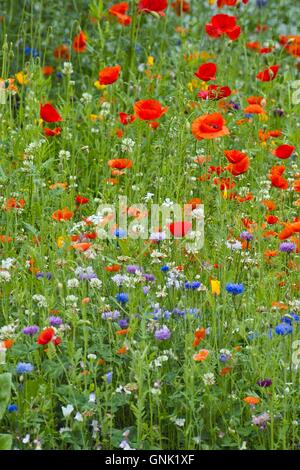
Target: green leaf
(5, 441)
(5, 387)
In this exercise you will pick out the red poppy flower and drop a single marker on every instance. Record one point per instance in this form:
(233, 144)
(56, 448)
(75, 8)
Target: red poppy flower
(149, 110)
(207, 72)
(118, 10)
(215, 92)
(157, 6)
(62, 52)
(81, 200)
(268, 74)
(209, 126)
(271, 219)
(47, 70)
(46, 336)
(223, 24)
(229, 3)
(180, 229)
(52, 132)
(79, 42)
(239, 162)
(276, 178)
(109, 75)
(49, 114)
(126, 118)
(283, 151)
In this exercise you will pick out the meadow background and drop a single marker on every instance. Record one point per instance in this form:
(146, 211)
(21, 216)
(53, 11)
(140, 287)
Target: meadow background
(147, 344)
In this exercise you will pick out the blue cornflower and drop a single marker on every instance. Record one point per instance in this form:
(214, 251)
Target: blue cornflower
(235, 289)
(119, 233)
(283, 329)
(192, 285)
(12, 408)
(122, 297)
(164, 269)
(109, 377)
(24, 367)
(246, 236)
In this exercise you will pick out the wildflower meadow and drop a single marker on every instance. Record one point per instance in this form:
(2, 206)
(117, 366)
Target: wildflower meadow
(149, 225)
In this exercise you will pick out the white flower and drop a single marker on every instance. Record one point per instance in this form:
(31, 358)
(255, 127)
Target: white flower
(4, 276)
(26, 439)
(78, 417)
(127, 145)
(67, 410)
(209, 378)
(96, 283)
(72, 283)
(67, 68)
(7, 263)
(86, 98)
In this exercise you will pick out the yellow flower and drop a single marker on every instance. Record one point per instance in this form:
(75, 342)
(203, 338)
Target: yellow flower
(22, 78)
(150, 60)
(98, 86)
(60, 241)
(215, 287)
(263, 117)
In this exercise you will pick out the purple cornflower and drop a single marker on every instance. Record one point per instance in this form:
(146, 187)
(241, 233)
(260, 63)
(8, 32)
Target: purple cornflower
(246, 236)
(123, 323)
(287, 247)
(264, 383)
(149, 277)
(261, 420)
(41, 275)
(163, 333)
(110, 315)
(132, 268)
(146, 289)
(55, 321)
(30, 330)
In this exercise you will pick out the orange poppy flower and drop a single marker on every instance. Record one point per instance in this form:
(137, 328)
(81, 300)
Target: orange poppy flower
(109, 75)
(62, 214)
(84, 246)
(122, 332)
(114, 268)
(149, 110)
(120, 163)
(199, 335)
(209, 126)
(180, 6)
(52, 132)
(122, 350)
(252, 400)
(225, 371)
(201, 355)
(118, 10)
(254, 109)
(8, 343)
